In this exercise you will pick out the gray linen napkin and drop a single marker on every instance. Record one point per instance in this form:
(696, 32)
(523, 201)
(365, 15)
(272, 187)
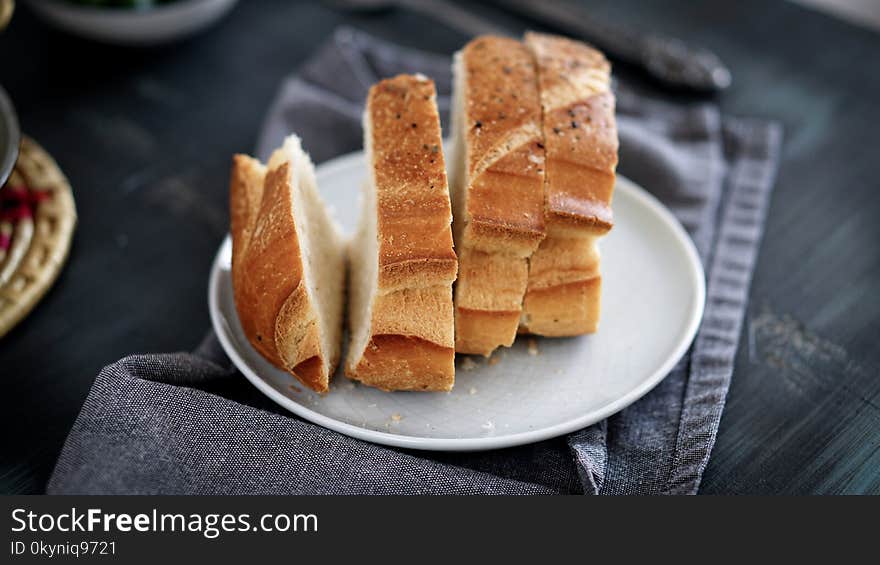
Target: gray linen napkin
(188, 423)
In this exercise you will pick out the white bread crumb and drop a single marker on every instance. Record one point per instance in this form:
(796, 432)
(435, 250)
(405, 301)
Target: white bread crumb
(467, 364)
(533, 346)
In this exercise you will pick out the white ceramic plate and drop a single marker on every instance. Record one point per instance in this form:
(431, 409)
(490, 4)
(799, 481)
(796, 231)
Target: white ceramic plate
(651, 307)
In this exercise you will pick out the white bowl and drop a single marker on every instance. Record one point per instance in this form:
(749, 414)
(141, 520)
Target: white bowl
(10, 137)
(132, 26)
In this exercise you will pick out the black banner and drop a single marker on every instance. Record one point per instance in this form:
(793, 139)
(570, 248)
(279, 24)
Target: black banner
(250, 530)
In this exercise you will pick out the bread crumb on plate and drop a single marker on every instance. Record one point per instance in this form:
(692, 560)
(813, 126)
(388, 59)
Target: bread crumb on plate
(533, 346)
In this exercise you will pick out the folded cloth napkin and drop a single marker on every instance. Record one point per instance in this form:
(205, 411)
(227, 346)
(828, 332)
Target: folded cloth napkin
(188, 423)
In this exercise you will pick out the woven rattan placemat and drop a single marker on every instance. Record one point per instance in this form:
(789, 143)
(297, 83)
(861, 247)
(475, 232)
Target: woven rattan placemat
(36, 228)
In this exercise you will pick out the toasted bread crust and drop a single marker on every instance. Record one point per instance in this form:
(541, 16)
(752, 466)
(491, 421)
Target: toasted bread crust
(245, 193)
(504, 156)
(411, 336)
(562, 260)
(480, 332)
(489, 297)
(424, 312)
(489, 281)
(568, 309)
(311, 372)
(505, 203)
(270, 267)
(580, 132)
(398, 362)
(501, 197)
(273, 306)
(298, 340)
(415, 240)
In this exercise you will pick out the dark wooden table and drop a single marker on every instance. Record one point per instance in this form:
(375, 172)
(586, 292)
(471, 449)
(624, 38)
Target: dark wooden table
(145, 138)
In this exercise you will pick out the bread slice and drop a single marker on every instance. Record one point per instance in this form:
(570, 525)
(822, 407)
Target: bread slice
(580, 137)
(497, 185)
(402, 261)
(288, 264)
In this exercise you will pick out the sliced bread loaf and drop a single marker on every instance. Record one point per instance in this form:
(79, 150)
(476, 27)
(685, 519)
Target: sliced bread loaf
(580, 137)
(497, 188)
(288, 264)
(402, 261)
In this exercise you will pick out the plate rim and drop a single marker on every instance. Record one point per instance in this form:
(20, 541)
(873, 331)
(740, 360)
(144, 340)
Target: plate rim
(484, 443)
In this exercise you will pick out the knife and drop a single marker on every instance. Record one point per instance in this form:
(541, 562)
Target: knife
(669, 60)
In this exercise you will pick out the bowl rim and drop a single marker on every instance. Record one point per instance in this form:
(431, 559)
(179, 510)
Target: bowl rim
(10, 133)
(116, 10)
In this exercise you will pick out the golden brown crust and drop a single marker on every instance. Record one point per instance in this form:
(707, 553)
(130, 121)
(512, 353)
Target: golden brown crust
(398, 362)
(270, 295)
(504, 157)
(415, 240)
(505, 203)
(490, 281)
(565, 310)
(488, 300)
(480, 332)
(411, 336)
(501, 220)
(270, 266)
(580, 132)
(561, 260)
(298, 339)
(564, 288)
(423, 320)
(580, 138)
(245, 194)
(423, 312)
(311, 373)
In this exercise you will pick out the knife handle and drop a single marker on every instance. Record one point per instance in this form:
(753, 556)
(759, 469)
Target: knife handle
(668, 60)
